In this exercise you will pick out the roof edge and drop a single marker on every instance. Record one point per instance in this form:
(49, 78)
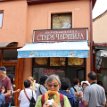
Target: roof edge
(31, 2)
(102, 14)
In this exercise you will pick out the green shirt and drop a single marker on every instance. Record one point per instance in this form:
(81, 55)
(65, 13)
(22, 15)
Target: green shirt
(66, 102)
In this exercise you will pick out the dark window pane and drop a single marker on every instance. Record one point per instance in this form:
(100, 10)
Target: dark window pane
(10, 54)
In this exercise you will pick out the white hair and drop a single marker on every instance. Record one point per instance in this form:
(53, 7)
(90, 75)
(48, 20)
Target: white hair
(53, 77)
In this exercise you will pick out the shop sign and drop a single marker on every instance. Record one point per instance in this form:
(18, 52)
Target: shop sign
(76, 34)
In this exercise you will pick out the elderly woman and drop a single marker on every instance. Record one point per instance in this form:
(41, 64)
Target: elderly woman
(52, 98)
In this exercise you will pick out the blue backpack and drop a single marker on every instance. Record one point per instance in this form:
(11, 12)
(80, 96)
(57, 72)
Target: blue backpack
(70, 97)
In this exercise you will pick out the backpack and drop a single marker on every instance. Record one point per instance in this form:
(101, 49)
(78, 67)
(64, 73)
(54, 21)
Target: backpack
(61, 99)
(32, 100)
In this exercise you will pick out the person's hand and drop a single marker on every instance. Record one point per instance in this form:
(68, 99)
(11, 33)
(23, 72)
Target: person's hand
(46, 104)
(79, 94)
(54, 104)
(3, 90)
(18, 90)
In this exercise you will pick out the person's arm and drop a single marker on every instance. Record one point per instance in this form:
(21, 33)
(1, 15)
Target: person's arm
(8, 93)
(15, 91)
(8, 87)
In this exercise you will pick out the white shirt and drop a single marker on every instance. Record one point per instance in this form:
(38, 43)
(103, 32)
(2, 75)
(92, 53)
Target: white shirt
(24, 102)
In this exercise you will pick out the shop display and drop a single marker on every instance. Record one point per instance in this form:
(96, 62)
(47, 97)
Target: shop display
(41, 61)
(57, 61)
(75, 61)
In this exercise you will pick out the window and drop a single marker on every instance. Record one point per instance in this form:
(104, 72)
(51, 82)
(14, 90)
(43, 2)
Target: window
(41, 61)
(1, 18)
(75, 61)
(61, 21)
(10, 54)
(57, 61)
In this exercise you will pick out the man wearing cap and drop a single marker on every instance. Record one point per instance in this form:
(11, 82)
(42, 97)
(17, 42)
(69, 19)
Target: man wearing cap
(6, 85)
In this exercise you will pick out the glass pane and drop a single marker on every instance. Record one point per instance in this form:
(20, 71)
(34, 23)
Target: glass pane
(10, 70)
(75, 72)
(75, 61)
(57, 61)
(41, 61)
(61, 21)
(10, 54)
(1, 18)
(38, 72)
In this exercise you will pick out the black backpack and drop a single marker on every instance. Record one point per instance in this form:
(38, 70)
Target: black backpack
(32, 100)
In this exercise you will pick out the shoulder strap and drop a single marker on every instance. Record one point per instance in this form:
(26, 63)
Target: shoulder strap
(74, 89)
(27, 95)
(32, 93)
(43, 99)
(40, 89)
(62, 100)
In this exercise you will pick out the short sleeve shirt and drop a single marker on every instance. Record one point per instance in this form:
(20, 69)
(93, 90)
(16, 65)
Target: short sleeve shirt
(6, 83)
(94, 95)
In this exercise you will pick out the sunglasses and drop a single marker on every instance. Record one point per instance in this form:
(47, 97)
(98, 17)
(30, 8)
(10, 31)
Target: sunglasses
(54, 85)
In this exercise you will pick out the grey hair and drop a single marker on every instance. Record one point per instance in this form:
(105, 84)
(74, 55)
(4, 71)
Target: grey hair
(53, 77)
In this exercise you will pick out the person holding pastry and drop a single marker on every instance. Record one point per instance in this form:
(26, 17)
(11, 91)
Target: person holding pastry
(52, 98)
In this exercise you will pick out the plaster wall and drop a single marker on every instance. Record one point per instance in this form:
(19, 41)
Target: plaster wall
(100, 29)
(39, 16)
(14, 21)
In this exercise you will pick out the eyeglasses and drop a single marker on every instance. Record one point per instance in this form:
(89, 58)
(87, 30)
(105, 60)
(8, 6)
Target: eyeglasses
(54, 85)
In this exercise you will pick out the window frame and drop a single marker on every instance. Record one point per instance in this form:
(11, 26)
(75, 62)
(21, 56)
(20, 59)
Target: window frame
(64, 13)
(1, 18)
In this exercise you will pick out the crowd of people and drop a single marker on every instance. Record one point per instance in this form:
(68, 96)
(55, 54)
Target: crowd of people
(52, 91)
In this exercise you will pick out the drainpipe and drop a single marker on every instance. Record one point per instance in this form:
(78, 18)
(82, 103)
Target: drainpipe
(91, 39)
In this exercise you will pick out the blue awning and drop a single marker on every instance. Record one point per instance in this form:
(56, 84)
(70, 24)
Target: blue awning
(58, 49)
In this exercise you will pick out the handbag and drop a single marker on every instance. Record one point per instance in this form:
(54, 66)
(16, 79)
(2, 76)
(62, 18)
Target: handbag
(32, 100)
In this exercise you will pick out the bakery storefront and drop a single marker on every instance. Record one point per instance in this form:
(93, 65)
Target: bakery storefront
(62, 51)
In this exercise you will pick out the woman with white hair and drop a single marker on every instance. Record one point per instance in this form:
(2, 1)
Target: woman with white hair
(84, 84)
(52, 98)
